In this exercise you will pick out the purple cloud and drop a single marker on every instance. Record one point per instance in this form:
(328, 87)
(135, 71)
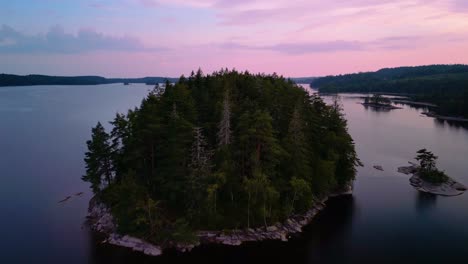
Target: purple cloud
(56, 40)
(301, 48)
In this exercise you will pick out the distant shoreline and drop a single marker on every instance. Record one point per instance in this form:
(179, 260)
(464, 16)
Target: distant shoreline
(446, 118)
(11, 80)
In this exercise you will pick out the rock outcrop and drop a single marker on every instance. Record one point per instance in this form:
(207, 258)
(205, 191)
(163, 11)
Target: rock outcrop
(448, 188)
(378, 167)
(101, 220)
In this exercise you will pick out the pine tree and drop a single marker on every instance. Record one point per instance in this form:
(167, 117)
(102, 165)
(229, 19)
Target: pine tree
(99, 169)
(224, 127)
(119, 135)
(296, 145)
(200, 154)
(200, 167)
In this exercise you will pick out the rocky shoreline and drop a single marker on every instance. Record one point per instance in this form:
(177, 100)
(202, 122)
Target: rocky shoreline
(446, 118)
(101, 220)
(381, 106)
(448, 188)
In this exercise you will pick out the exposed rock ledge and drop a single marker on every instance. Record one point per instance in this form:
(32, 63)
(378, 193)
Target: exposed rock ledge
(101, 220)
(381, 106)
(448, 188)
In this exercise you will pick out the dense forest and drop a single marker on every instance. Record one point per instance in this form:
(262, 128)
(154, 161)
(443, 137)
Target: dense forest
(17, 80)
(443, 85)
(303, 79)
(221, 151)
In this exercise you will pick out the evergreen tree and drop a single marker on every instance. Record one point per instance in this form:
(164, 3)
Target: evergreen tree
(200, 165)
(296, 145)
(224, 127)
(99, 169)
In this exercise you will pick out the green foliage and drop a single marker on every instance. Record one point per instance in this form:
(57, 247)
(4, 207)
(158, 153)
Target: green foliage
(98, 159)
(377, 99)
(427, 160)
(221, 151)
(302, 193)
(443, 85)
(427, 167)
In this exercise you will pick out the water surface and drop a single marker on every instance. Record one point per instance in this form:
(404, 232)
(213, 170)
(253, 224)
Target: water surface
(43, 131)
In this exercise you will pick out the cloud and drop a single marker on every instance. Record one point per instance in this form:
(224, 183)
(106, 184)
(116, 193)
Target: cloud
(393, 43)
(459, 5)
(330, 46)
(56, 40)
(301, 48)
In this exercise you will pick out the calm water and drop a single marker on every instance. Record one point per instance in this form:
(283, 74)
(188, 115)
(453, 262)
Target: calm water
(42, 140)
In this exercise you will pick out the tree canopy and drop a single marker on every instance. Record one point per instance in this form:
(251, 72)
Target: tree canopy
(427, 167)
(443, 85)
(219, 151)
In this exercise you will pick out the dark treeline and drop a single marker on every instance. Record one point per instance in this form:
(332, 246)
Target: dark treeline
(18, 80)
(444, 85)
(303, 79)
(221, 151)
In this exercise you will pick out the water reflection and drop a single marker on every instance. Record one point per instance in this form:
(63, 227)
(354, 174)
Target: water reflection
(451, 124)
(425, 201)
(329, 234)
(422, 108)
(377, 109)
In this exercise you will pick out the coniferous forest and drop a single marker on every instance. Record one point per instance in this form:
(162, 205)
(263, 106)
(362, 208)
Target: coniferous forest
(443, 85)
(220, 151)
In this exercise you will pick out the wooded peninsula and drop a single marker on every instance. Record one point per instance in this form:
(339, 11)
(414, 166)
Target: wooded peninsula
(443, 85)
(228, 150)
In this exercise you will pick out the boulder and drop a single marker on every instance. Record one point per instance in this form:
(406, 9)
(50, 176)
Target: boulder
(378, 167)
(448, 188)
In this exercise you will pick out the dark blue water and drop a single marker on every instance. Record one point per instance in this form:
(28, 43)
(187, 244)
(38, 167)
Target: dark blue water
(43, 131)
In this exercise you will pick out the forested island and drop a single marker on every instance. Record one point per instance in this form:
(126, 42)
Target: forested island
(379, 102)
(225, 151)
(35, 79)
(429, 179)
(443, 85)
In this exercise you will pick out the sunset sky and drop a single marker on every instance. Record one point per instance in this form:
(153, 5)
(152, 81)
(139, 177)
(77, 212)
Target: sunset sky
(134, 38)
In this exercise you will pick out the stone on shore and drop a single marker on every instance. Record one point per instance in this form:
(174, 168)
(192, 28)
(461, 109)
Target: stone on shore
(448, 188)
(101, 220)
(378, 167)
(407, 170)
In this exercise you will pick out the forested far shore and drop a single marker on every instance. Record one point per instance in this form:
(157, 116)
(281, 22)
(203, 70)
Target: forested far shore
(226, 150)
(35, 79)
(443, 85)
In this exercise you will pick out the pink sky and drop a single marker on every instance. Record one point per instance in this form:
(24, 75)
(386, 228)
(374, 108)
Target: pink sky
(172, 37)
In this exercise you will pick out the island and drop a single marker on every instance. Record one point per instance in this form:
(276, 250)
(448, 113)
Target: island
(426, 177)
(378, 101)
(224, 158)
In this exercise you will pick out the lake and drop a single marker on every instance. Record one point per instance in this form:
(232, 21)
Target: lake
(43, 135)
